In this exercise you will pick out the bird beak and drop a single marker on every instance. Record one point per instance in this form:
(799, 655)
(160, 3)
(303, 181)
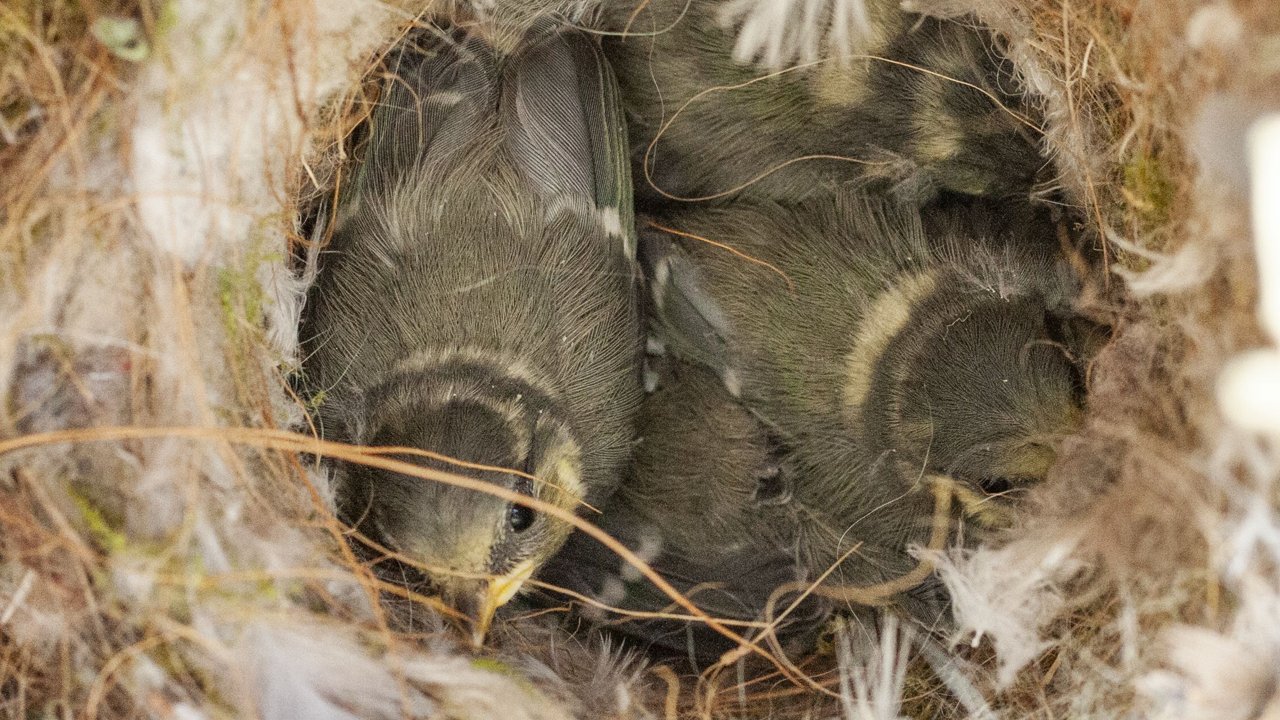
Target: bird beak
(496, 594)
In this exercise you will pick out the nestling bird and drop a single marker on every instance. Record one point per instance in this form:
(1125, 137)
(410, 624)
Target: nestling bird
(719, 506)
(841, 323)
(708, 504)
(921, 106)
(478, 301)
(507, 25)
(831, 388)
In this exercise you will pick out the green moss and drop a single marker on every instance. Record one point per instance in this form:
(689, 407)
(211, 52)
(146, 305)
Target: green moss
(123, 36)
(494, 666)
(241, 296)
(166, 20)
(315, 402)
(243, 304)
(54, 344)
(498, 667)
(101, 527)
(1148, 188)
(242, 300)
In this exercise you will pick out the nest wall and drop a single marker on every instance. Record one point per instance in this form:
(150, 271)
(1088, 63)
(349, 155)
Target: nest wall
(167, 548)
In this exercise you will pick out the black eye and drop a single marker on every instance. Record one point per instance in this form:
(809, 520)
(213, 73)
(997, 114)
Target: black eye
(996, 485)
(1006, 485)
(519, 518)
(771, 486)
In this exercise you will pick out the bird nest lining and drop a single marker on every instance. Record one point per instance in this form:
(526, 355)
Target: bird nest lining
(167, 547)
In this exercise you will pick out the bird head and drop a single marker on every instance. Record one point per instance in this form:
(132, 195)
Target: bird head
(977, 386)
(475, 549)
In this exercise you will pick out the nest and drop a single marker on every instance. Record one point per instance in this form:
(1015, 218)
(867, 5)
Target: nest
(167, 546)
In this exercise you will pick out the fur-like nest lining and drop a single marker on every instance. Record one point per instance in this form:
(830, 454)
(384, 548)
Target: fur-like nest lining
(167, 550)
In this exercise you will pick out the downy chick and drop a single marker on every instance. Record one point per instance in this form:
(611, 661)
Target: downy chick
(717, 505)
(920, 106)
(705, 504)
(869, 343)
(477, 301)
(883, 366)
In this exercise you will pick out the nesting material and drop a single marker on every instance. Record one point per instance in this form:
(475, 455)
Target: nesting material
(167, 547)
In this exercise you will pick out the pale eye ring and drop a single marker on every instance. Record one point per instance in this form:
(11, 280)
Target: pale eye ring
(519, 518)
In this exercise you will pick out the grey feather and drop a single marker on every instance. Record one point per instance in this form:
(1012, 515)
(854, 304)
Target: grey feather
(439, 93)
(573, 148)
(684, 314)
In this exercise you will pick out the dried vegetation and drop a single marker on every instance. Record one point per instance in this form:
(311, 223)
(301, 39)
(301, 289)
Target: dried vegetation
(165, 544)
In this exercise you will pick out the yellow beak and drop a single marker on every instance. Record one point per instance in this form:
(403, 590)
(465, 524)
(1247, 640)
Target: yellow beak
(497, 593)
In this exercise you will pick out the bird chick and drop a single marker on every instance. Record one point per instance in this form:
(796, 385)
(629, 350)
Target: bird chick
(477, 301)
(708, 504)
(869, 342)
(868, 374)
(921, 106)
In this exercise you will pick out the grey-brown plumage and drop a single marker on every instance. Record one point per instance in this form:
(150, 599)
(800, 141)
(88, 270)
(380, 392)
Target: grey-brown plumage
(707, 504)
(922, 106)
(868, 370)
(867, 342)
(720, 507)
(506, 25)
(477, 301)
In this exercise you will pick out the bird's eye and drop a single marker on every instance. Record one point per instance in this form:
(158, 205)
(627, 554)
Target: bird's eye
(1005, 484)
(771, 486)
(519, 518)
(996, 485)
